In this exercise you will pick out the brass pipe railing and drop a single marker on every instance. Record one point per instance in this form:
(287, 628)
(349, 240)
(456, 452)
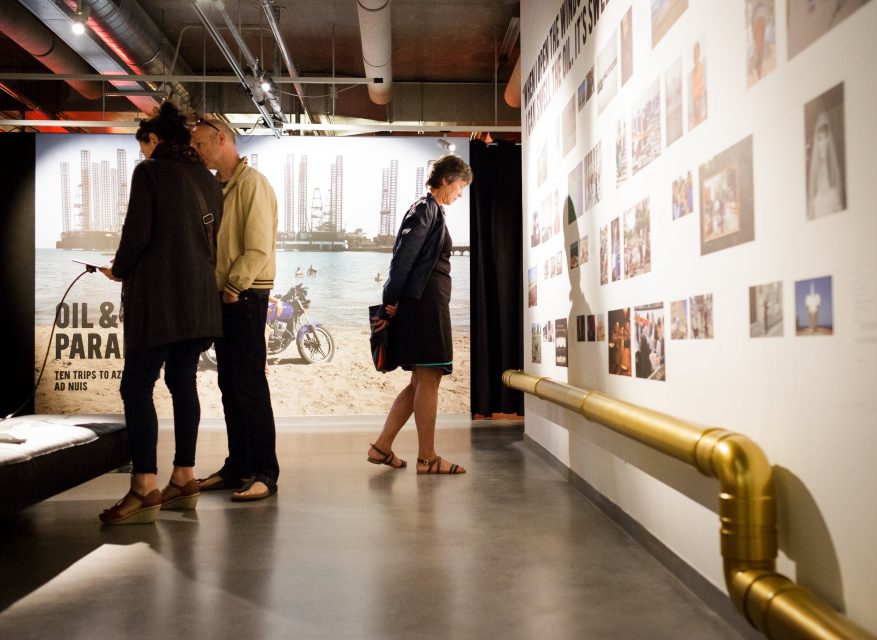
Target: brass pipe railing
(775, 605)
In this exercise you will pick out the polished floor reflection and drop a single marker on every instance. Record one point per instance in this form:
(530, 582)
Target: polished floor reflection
(347, 550)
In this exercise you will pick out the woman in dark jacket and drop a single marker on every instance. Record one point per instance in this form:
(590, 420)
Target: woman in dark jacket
(165, 262)
(416, 312)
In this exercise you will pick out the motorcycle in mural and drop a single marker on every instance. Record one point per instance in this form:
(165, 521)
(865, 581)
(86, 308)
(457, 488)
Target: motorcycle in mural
(288, 322)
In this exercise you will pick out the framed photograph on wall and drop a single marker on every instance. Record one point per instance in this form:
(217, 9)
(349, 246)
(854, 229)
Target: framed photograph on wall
(615, 231)
(766, 310)
(665, 13)
(683, 196)
(673, 101)
(697, 87)
(619, 342)
(809, 21)
(761, 36)
(601, 327)
(607, 73)
(581, 334)
(813, 307)
(561, 349)
(701, 317)
(532, 276)
(648, 322)
(826, 156)
(569, 126)
(592, 328)
(621, 161)
(593, 177)
(604, 254)
(727, 216)
(679, 320)
(536, 343)
(626, 30)
(637, 240)
(645, 128)
(573, 203)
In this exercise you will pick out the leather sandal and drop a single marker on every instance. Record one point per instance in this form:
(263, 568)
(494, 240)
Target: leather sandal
(434, 466)
(215, 482)
(387, 459)
(144, 513)
(270, 484)
(175, 497)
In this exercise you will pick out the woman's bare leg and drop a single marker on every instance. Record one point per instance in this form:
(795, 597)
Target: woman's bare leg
(400, 412)
(425, 410)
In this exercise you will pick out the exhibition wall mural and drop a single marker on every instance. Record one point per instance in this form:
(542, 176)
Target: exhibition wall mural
(340, 201)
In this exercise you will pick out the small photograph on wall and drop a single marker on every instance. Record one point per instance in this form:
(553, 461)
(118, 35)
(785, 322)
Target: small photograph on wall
(761, 39)
(607, 73)
(532, 277)
(637, 243)
(593, 173)
(560, 344)
(679, 320)
(813, 307)
(556, 211)
(808, 21)
(665, 13)
(727, 216)
(583, 250)
(573, 202)
(548, 331)
(546, 269)
(645, 127)
(697, 101)
(683, 196)
(569, 126)
(615, 232)
(581, 333)
(701, 317)
(766, 310)
(574, 255)
(546, 217)
(604, 254)
(536, 343)
(648, 321)
(542, 164)
(619, 342)
(621, 154)
(592, 328)
(601, 327)
(673, 101)
(558, 263)
(536, 231)
(826, 157)
(586, 89)
(626, 46)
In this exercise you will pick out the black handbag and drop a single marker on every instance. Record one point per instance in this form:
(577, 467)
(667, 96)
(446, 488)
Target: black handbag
(380, 343)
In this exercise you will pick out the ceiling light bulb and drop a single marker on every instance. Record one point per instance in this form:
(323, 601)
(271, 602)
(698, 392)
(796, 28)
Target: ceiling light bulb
(78, 27)
(266, 86)
(452, 147)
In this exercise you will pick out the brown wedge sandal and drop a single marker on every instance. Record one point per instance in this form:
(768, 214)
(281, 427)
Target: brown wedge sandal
(388, 459)
(434, 466)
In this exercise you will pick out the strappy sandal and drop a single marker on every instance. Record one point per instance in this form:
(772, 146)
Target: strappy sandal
(145, 512)
(388, 459)
(434, 466)
(176, 497)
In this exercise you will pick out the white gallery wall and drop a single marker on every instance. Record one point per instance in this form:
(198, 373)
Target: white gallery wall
(699, 227)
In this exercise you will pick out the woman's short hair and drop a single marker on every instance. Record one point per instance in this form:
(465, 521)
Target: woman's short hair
(167, 124)
(449, 168)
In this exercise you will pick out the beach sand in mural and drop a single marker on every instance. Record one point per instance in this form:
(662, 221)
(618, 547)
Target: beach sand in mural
(348, 385)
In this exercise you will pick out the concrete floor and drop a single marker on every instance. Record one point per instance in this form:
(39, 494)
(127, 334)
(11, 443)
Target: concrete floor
(347, 550)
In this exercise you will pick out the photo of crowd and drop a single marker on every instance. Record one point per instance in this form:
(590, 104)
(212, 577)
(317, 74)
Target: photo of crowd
(637, 240)
(645, 128)
(701, 316)
(683, 196)
(619, 342)
(648, 321)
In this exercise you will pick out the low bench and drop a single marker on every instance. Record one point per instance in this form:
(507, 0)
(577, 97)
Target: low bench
(43, 455)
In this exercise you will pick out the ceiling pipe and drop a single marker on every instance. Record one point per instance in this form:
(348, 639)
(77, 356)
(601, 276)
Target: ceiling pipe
(377, 47)
(249, 86)
(23, 28)
(126, 29)
(284, 52)
(512, 93)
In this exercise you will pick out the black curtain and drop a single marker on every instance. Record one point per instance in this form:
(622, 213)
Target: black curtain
(17, 254)
(496, 275)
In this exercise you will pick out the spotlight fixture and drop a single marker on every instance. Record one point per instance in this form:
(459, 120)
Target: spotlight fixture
(80, 17)
(447, 147)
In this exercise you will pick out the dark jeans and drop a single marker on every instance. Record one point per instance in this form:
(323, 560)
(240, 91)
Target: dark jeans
(246, 398)
(142, 368)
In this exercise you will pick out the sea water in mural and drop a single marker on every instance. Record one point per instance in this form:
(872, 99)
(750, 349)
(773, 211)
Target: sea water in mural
(340, 202)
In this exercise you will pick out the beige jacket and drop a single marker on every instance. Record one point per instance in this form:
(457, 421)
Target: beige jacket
(245, 254)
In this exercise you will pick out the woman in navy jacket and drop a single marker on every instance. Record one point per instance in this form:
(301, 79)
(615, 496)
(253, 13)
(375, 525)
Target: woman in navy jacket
(416, 312)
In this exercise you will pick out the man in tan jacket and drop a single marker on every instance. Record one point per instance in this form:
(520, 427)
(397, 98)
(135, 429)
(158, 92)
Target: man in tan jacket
(245, 270)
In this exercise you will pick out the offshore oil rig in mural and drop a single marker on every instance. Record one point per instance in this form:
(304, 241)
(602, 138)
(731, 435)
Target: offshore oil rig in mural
(93, 211)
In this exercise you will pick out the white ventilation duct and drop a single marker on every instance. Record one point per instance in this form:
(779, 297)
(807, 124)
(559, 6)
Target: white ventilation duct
(377, 47)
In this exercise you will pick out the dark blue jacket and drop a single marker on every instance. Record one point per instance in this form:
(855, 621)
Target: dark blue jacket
(417, 247)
